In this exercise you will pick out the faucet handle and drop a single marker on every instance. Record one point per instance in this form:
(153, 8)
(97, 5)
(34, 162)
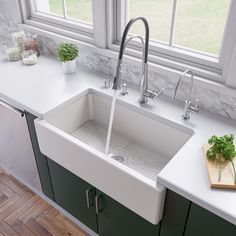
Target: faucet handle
(124, 90)
(195, 107)
(160, 92)
(153, 94)
(107, 83)
(188, 107)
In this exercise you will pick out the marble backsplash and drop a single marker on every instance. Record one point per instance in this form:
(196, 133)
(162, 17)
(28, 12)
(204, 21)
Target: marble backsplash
(210, 100)
(8, 20)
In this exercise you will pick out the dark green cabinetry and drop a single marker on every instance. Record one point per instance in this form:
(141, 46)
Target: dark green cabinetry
(116, 220)
(175, 215)
(74, 195)
(95, 209)
(184, 218)
(41, 160)
(204, 223)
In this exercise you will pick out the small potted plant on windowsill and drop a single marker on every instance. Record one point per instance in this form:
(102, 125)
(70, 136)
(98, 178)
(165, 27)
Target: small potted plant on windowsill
(68, 54)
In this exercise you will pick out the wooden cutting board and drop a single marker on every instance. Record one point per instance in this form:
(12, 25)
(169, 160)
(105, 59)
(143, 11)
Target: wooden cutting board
(213, 168)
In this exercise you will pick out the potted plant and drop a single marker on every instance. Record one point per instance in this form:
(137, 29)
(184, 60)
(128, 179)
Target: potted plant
(68, 54)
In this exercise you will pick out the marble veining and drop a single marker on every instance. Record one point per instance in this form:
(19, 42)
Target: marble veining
(8, 22)
(208, 99)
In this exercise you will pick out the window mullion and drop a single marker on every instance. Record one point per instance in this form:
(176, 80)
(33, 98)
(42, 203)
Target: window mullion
(64, 8)
(173, 19)
(25, 9)
(122, 15)
(100, 23)
(227, 57)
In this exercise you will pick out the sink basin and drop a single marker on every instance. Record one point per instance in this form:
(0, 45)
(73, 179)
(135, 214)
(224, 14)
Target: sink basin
(74, 136)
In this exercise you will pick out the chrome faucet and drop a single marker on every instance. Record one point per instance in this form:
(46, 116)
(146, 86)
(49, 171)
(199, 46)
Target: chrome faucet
(188, 107)
(145, 93)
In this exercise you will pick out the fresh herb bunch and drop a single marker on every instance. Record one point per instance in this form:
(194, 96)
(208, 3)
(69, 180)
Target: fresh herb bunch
(222, 150)
(67, 52)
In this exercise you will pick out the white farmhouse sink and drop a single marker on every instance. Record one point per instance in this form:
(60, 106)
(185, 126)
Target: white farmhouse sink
(74, 137)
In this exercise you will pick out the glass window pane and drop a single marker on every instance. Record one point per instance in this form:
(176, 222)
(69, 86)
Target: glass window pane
(157, 12)
(200, 24)
(80, 10)
(50, 6)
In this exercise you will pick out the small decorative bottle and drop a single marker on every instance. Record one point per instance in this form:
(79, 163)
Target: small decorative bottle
(31, 43)
(18, 39)
(13, 52)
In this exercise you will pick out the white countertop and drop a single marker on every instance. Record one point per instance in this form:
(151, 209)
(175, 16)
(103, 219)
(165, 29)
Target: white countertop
(41, 88)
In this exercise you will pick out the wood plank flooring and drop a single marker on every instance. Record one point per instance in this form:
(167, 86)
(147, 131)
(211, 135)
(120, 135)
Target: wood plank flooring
(22, 212)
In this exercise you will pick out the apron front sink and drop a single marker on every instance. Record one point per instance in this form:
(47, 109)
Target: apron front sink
(142, 143)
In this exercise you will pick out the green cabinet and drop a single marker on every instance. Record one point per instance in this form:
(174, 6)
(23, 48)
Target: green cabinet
(107, 217)
(184, 218)
(175, 214)
(116, 220)
(204, 223)
(74, 195)
(95, 209)
(41, 160)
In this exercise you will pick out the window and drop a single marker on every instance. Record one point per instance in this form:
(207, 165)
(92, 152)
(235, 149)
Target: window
(71, 18)
(183, 33)
(75, 10)
(191, 25)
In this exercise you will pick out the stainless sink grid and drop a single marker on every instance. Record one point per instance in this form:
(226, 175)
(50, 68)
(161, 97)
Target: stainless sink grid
(134, 155)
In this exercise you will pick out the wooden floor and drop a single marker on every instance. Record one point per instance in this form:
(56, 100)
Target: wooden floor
(22, 212)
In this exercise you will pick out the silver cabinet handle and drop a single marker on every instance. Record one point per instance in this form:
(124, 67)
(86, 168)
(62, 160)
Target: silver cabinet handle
(98, 208)
(12, 108)
(88, 192)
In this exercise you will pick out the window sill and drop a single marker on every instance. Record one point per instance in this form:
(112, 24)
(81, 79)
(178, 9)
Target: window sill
(56, 33)
(205, 79)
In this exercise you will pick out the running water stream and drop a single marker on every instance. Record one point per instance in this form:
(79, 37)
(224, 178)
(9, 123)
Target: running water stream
(110, 122)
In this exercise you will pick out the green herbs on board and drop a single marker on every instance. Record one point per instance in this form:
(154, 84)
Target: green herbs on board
(67, 52)
(222, 151)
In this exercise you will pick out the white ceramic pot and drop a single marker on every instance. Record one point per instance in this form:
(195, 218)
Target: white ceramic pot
(69, 67)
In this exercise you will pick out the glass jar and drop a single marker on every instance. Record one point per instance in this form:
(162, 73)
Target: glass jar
(31, 43)
(29, 57)
(18, 39)
(13, 52)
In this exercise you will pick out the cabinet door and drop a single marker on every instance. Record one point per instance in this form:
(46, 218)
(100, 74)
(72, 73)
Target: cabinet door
(204, 223)
(116, 220)
(73, 194)
(41, 160)
(175, 215)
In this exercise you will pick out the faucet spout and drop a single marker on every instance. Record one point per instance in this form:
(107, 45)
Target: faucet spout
(116, 81)
(127, 28)
(145, 93)
(188, 71)
(188, 107)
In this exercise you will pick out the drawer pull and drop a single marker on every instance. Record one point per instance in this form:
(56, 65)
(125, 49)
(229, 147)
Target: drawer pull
(12, 108)
(97, 202)
(88, 193)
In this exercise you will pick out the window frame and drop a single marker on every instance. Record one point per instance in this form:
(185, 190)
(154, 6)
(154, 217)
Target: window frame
(60, 21)
(109, 20)
(180, 57)
(75, 29)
